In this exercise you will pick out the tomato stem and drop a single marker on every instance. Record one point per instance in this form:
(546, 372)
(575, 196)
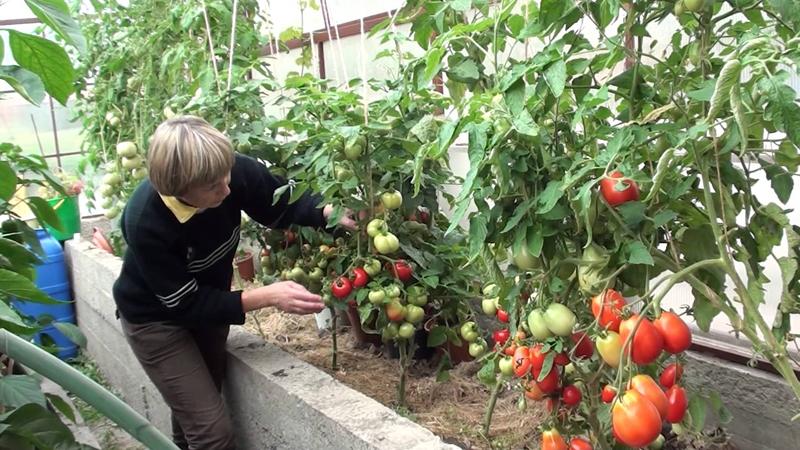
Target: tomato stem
(333, 337)
(487, 419)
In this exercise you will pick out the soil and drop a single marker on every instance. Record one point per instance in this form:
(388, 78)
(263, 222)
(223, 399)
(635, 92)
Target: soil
(453, 409)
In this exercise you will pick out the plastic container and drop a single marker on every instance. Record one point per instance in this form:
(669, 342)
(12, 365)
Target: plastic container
(68, 212)
(51, 277)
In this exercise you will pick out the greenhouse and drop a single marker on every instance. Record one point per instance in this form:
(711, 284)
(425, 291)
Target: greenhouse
(422, 224)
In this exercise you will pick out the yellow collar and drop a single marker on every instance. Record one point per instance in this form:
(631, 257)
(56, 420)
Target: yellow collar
(182, 211)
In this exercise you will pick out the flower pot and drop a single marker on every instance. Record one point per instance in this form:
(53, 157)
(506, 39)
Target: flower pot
(245, 266)
(458, 353)
(69, 214)
(358, 332)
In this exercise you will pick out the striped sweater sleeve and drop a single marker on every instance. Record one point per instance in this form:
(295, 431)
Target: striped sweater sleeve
(169, 277)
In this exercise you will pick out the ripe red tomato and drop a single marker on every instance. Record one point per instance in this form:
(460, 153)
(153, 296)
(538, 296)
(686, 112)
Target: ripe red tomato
(561, 359)
(671, 375)
(360, 277)
(289, 237)
(647, 342)
(341, 287)
(676, 404)
(522, 361)
(635, 421)
(607, 309)
(571, 395)
(608, 187)
(537, 357)
(677, 335)
(502, 315)
(501, 336)
(584, 349)
(552, 440)
(550, 382)
(608, 394)
(401, 270)
(646, 386)
(532, 391)
(579, 443)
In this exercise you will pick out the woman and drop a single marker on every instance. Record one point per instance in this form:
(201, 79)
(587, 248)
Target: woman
(173, 294)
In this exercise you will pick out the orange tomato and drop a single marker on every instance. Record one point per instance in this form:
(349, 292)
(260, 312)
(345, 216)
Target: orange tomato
(634, 420)
(646, 386)
(552, 440)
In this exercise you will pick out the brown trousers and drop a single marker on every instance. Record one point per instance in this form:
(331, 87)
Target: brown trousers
(187, 366)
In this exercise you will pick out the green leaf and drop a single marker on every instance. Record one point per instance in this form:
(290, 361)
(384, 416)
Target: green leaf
(782, 108)
(11, 319)
(487, 373)
(447, 134)
(466, 71)
(74, 334)
(547, 366)
(550, 196)
(61, 405)
(633, 213)
(524, 124)
(44, 212)
(519, 213)
(780, 179)
(55, 14)
(637, 253)
(17, 253)
(15, 285)
(18, 390)
(719, 409)
(437, 336)
(460, 5)
(664, 217)
(432, 66)
(477, 234)
(24, 82)
(476, 151)
(556, 77)
(697, 411)
(703, 311)
(41, 427)
(47, 60)
(8, 181)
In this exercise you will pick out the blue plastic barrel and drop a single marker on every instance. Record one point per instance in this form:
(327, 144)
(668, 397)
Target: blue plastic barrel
(51, 277)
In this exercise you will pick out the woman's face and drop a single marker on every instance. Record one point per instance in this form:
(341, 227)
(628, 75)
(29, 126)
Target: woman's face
(208, 196)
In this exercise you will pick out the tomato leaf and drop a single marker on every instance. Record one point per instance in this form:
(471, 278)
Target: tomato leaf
(465, 71)
(550, 196)
(487, 373)
(697, 412)
(547, 366)
(719, 409)
(477, 234)
(637, 253)
(437, 336)
(556, 77)
(633, 213)
(664, 217)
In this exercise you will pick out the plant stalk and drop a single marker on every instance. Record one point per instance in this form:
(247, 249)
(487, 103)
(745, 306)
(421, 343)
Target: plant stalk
(487, 418)
(87, 389)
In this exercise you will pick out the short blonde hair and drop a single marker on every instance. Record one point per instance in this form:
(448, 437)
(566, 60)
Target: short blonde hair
(186, 152)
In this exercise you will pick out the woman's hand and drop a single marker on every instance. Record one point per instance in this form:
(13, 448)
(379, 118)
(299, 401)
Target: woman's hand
(287, 296)
(345, 221)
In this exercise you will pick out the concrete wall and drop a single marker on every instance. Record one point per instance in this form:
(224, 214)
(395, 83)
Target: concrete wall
(277, 401)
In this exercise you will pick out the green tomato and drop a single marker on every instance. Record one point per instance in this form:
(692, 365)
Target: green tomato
(537, 325)
(126, 149)
(560, 319)
(489, 306)
(506, 365)
(391, 199)
(132, 163)
(139, 173)
(372, 267)
(112, 178)
(390, 332)
(393, 291)
(414, 314)
(658, 444)
(477, 348)
(376, 227)
(679, 8)
(469, 331)
(316, 274)
(376, 296)
(114, 121)
(569, 369)
(342, 173)
(297, 274)
(490, 290)
(354, 150)
(524, 260)
(406, 330)
(387, 243)
(693, 5)
(112, 213)
(108, 202)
